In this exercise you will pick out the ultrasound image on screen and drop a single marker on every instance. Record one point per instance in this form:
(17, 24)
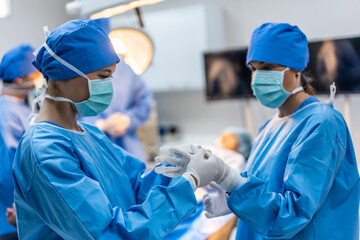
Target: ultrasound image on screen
(335, 61)
(227, 76)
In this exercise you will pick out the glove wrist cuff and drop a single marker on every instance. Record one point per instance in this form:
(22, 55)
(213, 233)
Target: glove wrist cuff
(191, 180)
(232, 180)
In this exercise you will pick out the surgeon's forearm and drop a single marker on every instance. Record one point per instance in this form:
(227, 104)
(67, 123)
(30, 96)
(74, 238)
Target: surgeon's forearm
(173, 203)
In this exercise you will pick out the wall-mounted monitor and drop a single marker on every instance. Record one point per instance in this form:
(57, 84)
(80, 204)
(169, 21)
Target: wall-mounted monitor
(330, 61)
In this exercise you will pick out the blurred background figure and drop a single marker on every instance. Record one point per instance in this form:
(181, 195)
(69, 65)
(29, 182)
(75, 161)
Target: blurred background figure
(130, 107)
(233, 145)
(18, 78)
(236, 139)
(11, 215)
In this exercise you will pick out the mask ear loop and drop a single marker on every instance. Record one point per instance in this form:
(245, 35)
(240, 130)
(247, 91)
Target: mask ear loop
(38, 101)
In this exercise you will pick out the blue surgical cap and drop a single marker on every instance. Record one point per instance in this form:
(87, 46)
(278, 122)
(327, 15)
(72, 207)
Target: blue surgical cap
(279, 43)
(244, 138)
(81, 43)
(104, 23)
(17, 63)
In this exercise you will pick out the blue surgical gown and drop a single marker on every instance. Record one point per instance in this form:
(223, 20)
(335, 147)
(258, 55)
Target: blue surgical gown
(302, 180)
(133, 98)
(13, 124)
(78, 185)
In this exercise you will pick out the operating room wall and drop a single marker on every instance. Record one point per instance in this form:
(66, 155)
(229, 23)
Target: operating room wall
(320, 19)
(25, 25)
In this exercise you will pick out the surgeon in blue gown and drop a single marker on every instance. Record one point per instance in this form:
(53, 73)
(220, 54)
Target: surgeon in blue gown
(129, 109)
(17, 74)
(302, 180)
(71, 181)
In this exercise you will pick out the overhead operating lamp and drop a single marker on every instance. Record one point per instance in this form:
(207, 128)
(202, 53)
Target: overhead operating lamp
(132, 44)
(135, 46)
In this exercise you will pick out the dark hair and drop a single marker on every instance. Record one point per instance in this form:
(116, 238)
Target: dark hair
(308, 83)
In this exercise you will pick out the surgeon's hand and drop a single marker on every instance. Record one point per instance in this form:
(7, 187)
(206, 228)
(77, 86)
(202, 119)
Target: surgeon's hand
(116, 124)
(191, 164)
(177, 158)
(215, 205)
(200, 167)
(11, 216)
(227, 177)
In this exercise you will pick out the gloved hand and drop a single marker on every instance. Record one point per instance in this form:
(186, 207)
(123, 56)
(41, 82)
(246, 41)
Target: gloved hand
(215, 205)
(198, 167)
(202, 168)
(178, 159)
(116, 124)
(227, 177)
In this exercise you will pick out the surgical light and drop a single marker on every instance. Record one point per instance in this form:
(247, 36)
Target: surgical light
(135, 46)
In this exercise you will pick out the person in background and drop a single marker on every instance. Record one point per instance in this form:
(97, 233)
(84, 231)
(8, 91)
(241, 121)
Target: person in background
(71, 181)
(17, 75)
(302, 175)
(236, 139)
(129, 109)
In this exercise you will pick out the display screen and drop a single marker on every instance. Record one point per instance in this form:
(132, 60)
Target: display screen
(330, 61)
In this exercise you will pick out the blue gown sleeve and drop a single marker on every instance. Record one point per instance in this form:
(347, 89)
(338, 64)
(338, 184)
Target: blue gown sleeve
(75, 206)
(141, 183)
(311, 167)
(140, 108)
(11, 133)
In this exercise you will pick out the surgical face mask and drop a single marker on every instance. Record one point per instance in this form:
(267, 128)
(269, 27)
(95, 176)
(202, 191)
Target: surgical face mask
(268, 88)
(101, 93)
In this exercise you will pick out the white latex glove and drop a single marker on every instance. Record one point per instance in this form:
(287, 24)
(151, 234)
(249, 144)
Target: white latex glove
(202, 168)
(178, 157)
(227, 177)
(117, 124)
(190, 164)
(215, 205)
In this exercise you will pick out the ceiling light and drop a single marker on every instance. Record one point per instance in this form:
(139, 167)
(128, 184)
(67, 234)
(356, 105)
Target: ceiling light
(123, 8)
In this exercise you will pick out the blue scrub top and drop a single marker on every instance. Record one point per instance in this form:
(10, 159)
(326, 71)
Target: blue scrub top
(133, 98)
(78, 185)
(13, 124)
(302, 179)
